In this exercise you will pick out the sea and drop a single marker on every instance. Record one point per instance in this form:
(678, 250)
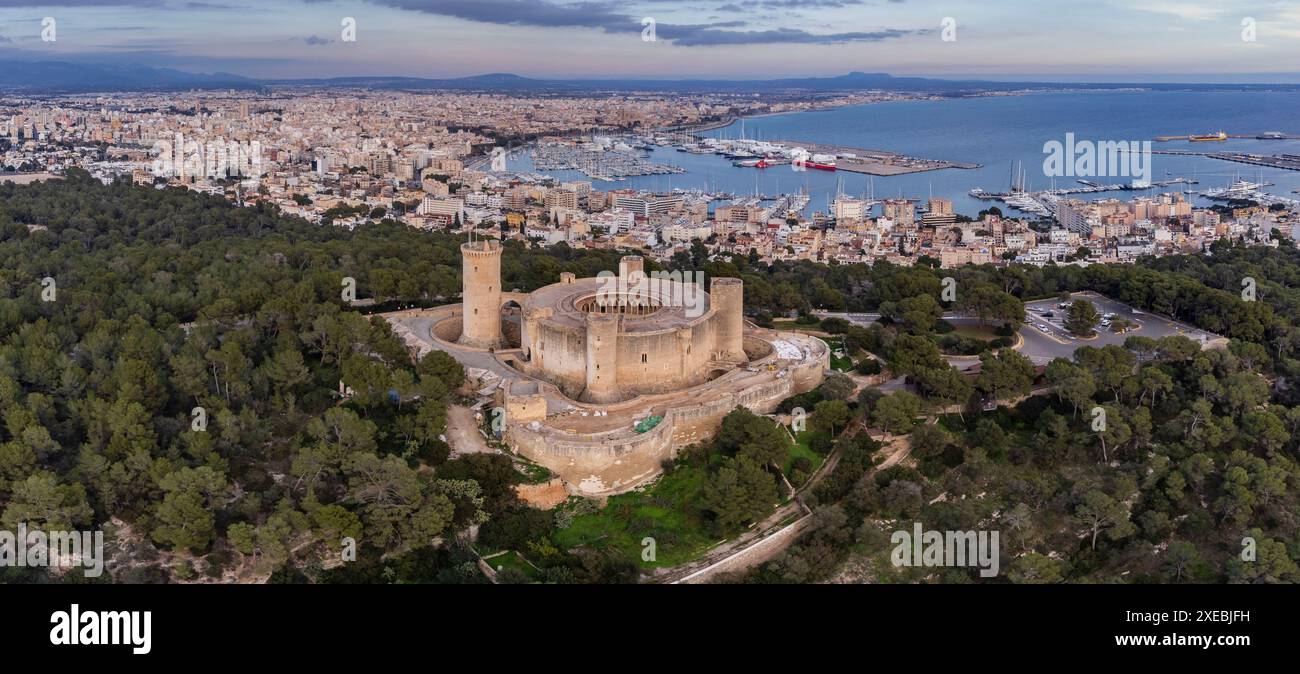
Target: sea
(1002, 134)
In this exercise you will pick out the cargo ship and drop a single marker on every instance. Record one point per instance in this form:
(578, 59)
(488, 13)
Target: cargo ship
(1209, 137)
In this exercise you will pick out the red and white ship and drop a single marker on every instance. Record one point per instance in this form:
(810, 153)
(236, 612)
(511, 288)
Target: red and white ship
(824, 162)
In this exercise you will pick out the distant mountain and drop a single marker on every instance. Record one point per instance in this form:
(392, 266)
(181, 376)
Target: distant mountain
(63, 76)
(59, 76)
(854, 81)
(511, 82)
(489, 82)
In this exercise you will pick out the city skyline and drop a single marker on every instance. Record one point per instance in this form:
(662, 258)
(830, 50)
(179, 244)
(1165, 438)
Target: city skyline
(1147, 40)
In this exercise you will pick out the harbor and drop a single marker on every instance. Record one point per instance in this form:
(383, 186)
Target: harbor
(752, 157)
(761, 154)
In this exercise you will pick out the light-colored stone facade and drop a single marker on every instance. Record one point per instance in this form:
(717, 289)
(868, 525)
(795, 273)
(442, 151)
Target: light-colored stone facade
(593, 360)
(612, 338)
(481, 272)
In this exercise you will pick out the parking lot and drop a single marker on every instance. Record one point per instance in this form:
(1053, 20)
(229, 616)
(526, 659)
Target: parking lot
(1052, 340)
(1046, 337)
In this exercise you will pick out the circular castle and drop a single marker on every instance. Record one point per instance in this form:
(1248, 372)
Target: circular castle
(602, 379)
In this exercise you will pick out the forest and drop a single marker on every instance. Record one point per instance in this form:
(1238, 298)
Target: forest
(170, 371)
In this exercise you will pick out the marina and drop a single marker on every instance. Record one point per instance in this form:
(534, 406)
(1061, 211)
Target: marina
(599, 161)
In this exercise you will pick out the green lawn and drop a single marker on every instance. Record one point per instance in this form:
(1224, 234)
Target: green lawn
(842, 363)
(986, 333)
(511, 560)
(666, 512)
(533, 473)
(800, 449)
(791, 325)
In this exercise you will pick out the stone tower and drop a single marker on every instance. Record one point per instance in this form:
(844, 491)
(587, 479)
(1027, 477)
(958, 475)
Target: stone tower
(631, 272)
(481, 294)
(602, 358)
(726, 296)
(631, 264)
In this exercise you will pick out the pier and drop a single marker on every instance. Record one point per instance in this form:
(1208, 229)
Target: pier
(876, 162)
(1266, 135)
(1286, 162)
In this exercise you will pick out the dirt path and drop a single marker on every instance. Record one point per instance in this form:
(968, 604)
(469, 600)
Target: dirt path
(895, 449)
(462, 432)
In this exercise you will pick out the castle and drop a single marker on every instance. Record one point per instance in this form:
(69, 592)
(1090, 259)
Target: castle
(602, 379)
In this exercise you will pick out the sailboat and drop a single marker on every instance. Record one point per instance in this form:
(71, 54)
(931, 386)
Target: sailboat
(1195, 180)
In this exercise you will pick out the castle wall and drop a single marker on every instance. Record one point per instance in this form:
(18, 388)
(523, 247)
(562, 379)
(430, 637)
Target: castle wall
(652, 362)
(559, 355)
(645, 362)
(523, 408)
(614, 461)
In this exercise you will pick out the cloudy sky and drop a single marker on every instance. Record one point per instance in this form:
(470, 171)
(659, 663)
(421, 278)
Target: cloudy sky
(1098, 40)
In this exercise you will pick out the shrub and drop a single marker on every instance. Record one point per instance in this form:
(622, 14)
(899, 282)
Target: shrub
(868, 366)
(962, 346)
(835, 325)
